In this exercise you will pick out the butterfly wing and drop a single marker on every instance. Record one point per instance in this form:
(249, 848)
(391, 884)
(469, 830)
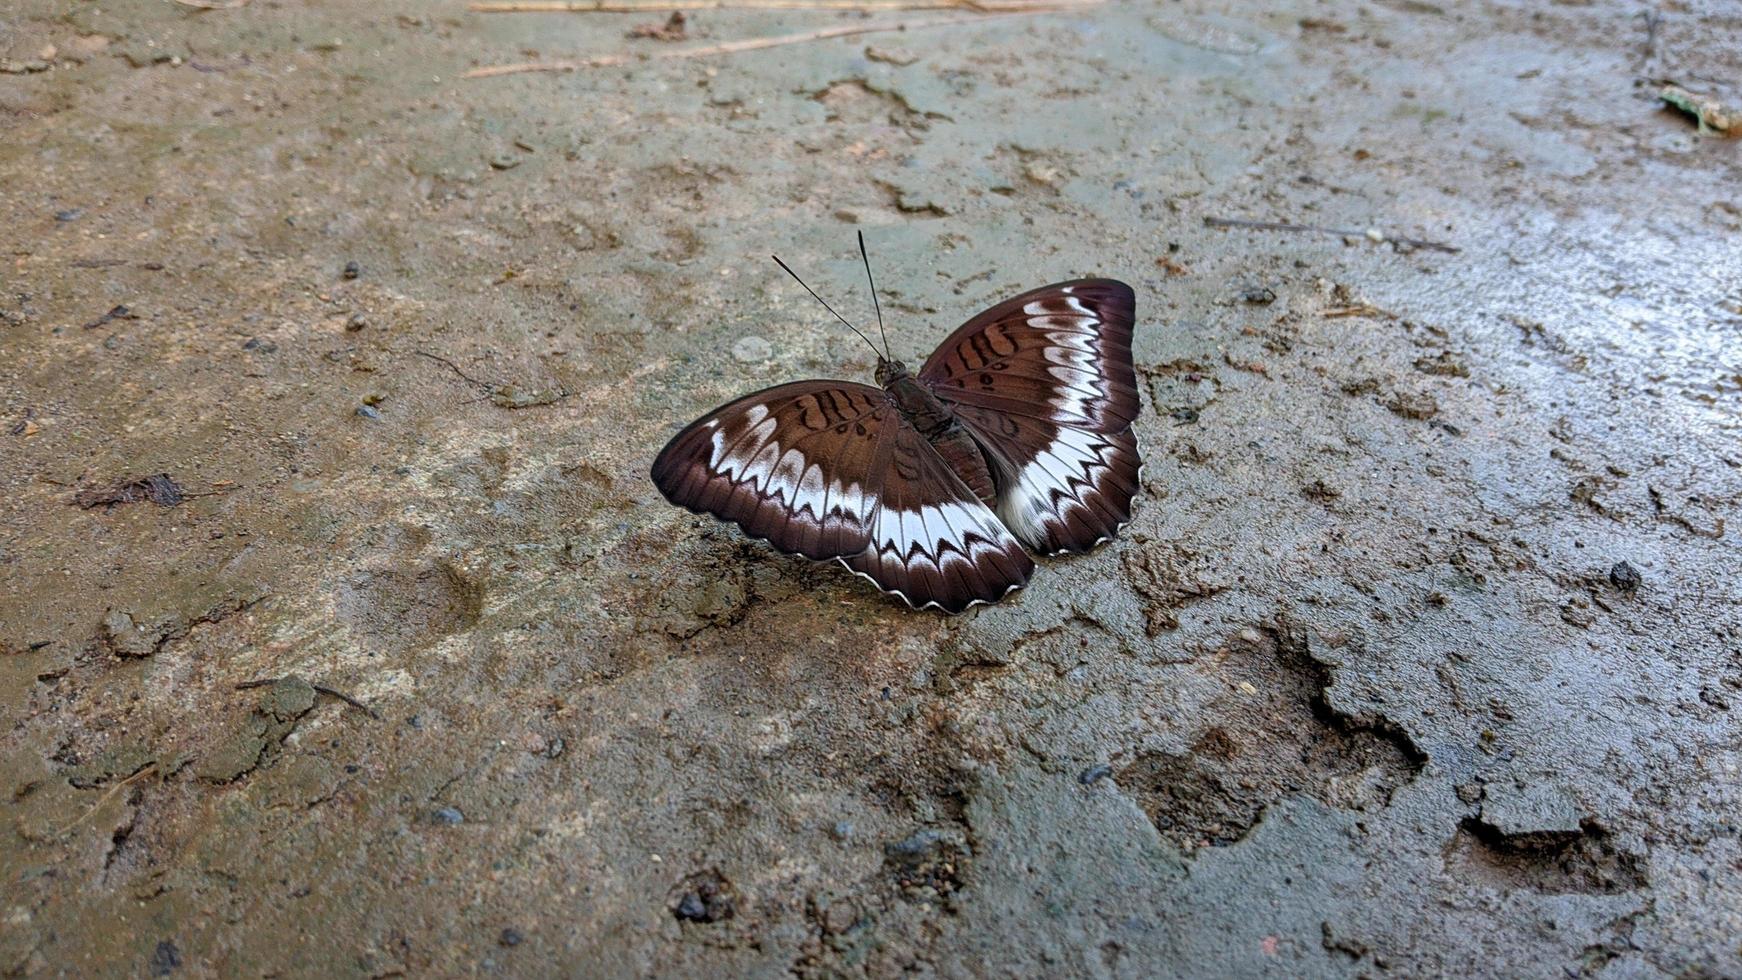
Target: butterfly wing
(1061, 489)
(932, 541)
(797, 465)
(830, 469)
(1044, 383)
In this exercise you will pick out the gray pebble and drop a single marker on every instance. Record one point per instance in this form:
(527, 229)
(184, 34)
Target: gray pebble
(752, 350)
(1624, 577)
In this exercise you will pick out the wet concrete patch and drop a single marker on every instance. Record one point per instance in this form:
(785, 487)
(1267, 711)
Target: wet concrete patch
(1272, 735)
(1492, 488)
(1581, 861)
(397, 607)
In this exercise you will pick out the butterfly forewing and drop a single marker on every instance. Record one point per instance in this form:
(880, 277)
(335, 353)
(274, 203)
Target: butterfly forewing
(1059, 353)
(933, 542)
(796, 465)
(1045, 384)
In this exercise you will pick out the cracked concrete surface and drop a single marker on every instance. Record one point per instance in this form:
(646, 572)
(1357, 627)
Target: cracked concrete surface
(1421, 656)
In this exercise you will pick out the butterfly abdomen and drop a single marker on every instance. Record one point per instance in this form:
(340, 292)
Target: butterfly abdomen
(934, 420)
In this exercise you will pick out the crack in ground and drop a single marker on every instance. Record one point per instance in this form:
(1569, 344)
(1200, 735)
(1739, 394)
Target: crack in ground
(1272, 735)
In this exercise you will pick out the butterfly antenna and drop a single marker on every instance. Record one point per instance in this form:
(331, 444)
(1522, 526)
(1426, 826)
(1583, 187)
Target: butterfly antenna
(874, 303)
(826, 305)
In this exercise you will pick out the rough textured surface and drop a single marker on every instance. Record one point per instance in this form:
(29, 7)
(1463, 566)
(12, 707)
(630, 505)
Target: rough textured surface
(1359, 692)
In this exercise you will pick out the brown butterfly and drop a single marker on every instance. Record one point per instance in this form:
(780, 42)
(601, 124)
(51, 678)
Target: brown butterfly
(1016, 432)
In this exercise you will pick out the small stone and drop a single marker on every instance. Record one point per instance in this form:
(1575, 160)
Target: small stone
(1258, 295)
(842, 830)
(448, 816)
(899, 57)
(357, 322)
(915, 848)
(1625, 577)
(368, 412)
(839, 917)
(70, 214)
(165, 959)
(352, 269)
(510, 937)
(1094, 774)
(752, 350)
(691, 908)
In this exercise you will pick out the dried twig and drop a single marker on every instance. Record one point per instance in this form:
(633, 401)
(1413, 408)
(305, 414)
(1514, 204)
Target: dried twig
(1316, 229)
(319, 689)
(94, 807)
(115, 313)
(507, 395)
(483, 386)
(875, 6)
(748, 44)
(1361, 309)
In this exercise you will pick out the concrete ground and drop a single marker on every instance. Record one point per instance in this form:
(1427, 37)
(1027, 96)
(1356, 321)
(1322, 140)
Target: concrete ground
(1420, 658)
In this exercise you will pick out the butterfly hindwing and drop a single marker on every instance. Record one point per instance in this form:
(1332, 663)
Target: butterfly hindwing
(932, 541)
(1045, 384)
(1061, 489)
(796, 465)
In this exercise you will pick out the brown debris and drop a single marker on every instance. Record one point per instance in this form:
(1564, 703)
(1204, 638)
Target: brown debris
(158, 488)
(121, 312)
(1164, 582)
(674, 29)
(1711, 114)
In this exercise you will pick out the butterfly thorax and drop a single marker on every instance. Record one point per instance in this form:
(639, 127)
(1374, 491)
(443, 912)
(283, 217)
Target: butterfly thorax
(934, 420)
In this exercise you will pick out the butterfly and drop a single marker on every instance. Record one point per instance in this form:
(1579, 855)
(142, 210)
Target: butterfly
(1014, 436)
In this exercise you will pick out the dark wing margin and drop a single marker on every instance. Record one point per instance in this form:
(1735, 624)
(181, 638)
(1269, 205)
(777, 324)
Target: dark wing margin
(933, 542)
(797, 465)
(1060, 353)
(1044, 382)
